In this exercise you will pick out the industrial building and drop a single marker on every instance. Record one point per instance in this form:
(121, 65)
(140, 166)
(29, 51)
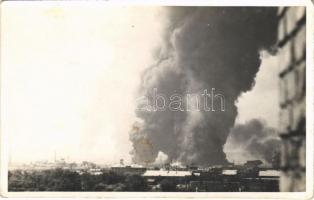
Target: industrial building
(291, 56)
(219, 180)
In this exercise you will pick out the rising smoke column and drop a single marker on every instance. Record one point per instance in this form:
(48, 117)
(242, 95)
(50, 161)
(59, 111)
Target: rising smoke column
(253, 140)
(204, 48)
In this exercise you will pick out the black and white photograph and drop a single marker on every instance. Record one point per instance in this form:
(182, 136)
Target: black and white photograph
(156, 99)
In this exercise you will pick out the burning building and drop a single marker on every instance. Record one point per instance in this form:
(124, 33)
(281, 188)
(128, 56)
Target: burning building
(219, 47)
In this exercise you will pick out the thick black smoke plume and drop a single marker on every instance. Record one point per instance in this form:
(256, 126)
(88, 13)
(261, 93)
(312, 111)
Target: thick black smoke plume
(204, 48)
(253, 140)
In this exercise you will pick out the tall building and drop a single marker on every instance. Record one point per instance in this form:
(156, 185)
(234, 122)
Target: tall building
(291, 56)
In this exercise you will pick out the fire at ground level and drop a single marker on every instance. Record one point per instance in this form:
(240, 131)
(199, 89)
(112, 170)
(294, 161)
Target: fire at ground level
(250, 177)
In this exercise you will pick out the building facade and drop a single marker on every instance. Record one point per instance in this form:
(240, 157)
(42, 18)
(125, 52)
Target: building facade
(292, 56)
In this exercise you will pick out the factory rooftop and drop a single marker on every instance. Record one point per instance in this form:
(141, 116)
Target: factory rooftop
(167, 173)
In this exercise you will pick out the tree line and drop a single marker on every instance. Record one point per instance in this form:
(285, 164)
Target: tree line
(67, 180)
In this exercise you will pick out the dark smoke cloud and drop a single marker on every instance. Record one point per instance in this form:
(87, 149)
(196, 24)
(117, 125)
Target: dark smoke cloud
(253, 140)
(204, 48)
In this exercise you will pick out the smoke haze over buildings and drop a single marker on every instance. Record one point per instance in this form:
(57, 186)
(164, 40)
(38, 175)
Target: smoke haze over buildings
(252, 140)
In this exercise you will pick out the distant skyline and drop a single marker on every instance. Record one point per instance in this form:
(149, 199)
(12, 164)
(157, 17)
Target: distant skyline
(70, 75)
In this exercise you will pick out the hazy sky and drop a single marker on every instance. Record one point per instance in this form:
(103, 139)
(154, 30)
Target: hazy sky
(263, 101)
(70, 73)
